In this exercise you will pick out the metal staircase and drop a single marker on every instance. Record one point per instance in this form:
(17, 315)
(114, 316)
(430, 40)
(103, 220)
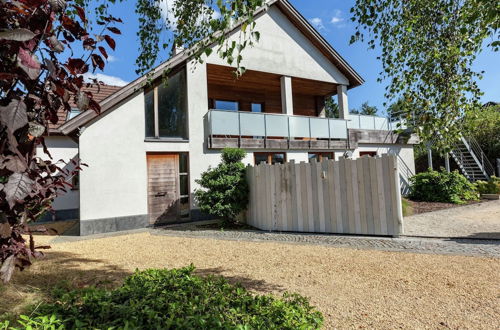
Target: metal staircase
(471, 159)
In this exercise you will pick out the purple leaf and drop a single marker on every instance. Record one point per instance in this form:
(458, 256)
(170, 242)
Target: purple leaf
(14, 164)
(28, 63)
(17, 188)
(35, 129)
(17, 35)
(5, 230)
(55, 44)
(82, 101)
(7, 269)
(14, 115)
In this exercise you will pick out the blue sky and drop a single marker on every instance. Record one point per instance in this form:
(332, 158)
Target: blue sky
(331, 18)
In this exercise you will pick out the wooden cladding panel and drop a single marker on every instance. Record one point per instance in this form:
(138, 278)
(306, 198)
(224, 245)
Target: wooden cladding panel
(359, 196)
(163, 187)
(264, 87)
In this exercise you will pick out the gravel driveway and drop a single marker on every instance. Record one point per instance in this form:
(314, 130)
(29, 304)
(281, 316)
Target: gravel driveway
(355, 289)
(472, 221)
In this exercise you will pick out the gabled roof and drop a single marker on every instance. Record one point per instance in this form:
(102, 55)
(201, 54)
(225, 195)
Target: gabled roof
(290, 12)
(99, 93)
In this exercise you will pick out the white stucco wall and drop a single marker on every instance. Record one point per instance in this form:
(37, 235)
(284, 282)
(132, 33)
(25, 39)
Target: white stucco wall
(65, 149)
(115, 183)
(284, 50)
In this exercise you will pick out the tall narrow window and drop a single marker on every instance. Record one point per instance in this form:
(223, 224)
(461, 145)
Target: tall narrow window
(184, 184)
(150, 113)
(166, 109)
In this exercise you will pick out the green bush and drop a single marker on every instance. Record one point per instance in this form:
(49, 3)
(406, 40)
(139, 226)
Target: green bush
(168, 299)
(441, 186)
(224, 192)
(489, 187)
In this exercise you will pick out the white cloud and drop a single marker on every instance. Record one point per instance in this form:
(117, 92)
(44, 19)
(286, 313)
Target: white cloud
(167, 6)
(337, 19)
(112, 58)
(108, 80)
(317, 23)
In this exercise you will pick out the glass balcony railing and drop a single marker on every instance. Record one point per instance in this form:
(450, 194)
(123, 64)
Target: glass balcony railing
(270, 125)
(374, 123)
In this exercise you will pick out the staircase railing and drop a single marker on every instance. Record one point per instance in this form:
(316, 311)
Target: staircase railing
(479, 155)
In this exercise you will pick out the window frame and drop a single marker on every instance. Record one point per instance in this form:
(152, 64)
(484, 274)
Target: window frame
(238, 103)
(156, 126)
(269, 156)
(320, 155)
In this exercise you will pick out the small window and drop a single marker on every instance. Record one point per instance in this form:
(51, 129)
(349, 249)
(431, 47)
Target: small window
(368, 153)
(257, 107)
(321, 156)
(269, 157)
(73, 113)
(227, 105)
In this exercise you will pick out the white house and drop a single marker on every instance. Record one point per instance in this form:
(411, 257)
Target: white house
(149, 144)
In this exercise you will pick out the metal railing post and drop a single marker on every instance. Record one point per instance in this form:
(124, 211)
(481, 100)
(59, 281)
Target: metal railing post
(265, 131)
(329, 133)
(310, 136)
(239, 129)
(289, 135)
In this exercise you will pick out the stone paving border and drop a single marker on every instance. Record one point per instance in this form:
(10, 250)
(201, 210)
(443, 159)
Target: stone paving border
(467, 247)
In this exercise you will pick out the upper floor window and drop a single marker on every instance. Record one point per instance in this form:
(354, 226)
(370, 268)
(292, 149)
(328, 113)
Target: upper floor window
(166, 108)
(227, 105)
(257, 107)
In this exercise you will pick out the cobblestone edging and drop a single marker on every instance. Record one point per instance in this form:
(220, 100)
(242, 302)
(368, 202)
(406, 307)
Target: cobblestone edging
(467, 247)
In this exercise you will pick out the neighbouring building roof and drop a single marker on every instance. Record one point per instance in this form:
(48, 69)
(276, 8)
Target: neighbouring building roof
(99, 93)
(290, 12)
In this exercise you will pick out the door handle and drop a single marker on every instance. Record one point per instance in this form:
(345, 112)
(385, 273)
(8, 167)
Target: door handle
(161, 194)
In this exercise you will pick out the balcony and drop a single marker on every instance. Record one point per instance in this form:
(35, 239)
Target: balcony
(279, 131)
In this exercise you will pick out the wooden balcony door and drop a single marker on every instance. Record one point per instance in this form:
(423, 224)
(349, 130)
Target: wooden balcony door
(163, 188)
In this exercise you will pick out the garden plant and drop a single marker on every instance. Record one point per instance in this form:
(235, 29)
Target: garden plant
(171, 299)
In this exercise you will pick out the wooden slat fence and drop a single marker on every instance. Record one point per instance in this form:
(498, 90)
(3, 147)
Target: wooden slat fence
(359, 196)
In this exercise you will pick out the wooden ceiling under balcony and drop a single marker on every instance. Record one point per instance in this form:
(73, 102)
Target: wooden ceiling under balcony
(265, 88)
(256, 80)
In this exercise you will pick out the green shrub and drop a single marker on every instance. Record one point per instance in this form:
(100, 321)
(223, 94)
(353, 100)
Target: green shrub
(489, 187)
(38, 322)
(168, 299)
(441, 186)
(224, 192)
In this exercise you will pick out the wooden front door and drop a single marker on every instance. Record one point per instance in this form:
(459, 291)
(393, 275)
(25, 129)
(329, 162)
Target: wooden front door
(163, 188)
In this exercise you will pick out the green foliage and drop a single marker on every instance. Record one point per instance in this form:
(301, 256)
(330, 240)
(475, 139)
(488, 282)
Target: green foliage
(484, 126)
(194, 25)
(41, 322)
(491, 186)
(365, 109)
(441, 186)
(427, 52)
(224, 190)
(331, 108)
(233, 155)
(178, 299)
